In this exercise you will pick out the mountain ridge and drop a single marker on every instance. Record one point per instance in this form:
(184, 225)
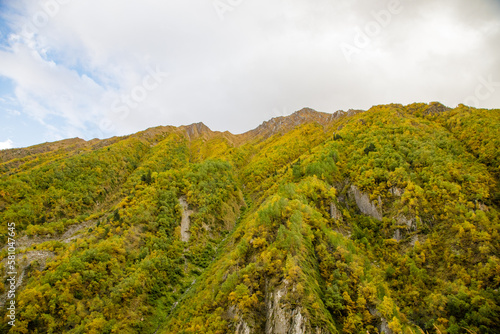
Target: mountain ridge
(379, 221)
(195, 130)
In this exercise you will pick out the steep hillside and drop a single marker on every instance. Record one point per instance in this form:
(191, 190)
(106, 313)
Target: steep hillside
(379, 221)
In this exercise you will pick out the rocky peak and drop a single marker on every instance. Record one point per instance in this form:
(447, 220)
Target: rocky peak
(436, 108)
(287, 123)
(196, 130)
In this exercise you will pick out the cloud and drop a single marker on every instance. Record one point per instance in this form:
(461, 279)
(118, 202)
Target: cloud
(89, 64)
(6, 144)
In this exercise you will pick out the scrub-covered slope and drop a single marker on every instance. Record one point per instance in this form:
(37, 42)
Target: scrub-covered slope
(383, 220)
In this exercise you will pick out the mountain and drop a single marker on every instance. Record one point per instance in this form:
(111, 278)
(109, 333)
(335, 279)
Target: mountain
(377, 221)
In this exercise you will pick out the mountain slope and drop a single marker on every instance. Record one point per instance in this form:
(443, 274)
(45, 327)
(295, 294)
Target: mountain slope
(383, 220)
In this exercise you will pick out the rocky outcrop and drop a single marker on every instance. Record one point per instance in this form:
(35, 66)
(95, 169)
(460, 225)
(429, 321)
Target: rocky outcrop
(410, 225)
(242, 328)
(70, 234)
(398, 236)
(30, 260)
(196, 130)
(335, 213)
(482, 207)
(287, 123)
(365, 205)
(436, 108)
(280, 316)
(383, 326)
(395, 191)
(281, 320)
(185, 222)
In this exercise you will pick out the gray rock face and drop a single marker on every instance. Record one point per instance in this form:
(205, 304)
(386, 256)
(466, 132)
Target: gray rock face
(384, 325)
(365, 205)
(286, 123)
(436, 108)
(410, 223)
(414, 239)
(186, 222)
(281, 320)
(397, 235)
(395, 191)
(280, 317)
(335, 212)
(242, 328)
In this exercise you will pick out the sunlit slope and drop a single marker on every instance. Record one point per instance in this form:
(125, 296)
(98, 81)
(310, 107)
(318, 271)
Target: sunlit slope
(132, 264)
(430, 260)
(383, 220)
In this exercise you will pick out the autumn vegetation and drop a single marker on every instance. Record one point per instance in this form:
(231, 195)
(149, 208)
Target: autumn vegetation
(272, 211)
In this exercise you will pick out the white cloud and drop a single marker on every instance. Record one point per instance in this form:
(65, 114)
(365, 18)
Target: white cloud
(90, 57)
(6, 144)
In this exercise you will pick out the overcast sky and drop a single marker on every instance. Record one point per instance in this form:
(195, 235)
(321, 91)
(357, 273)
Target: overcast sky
(89, 68)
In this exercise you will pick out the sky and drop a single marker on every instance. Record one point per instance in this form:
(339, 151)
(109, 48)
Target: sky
(100, 68)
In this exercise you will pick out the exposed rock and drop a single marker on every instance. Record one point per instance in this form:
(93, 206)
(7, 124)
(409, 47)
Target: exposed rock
(287, 123)
(346, 233)
(410, 223)
(337, 115)
(482, 207)
(352, 112)
(435, 108)
(276, 318)
(395, 191)
(342, 188)
(232, 310)
(196, 130)
(242, 328)
(365, 205)
(281, 320)
(298, 324)
(414, 239)
(69, 235)
(23, 262)
(335, 212)
(27, 259)
(234, 314)
(383, 327)
(40, 256)
(185, 222)
(397, 235)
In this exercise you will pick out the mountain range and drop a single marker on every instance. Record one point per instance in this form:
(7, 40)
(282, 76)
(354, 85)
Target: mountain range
(376, 221)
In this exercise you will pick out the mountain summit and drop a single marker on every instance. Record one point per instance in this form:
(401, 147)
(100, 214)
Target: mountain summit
(284, 124)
